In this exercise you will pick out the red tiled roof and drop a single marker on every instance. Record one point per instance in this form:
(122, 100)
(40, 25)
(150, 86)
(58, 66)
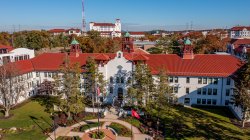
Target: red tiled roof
(239, 28)
(102, 57)
(137, 33)
(20, 67)
(240, 41)
(202, 65)
(48, 61)
(9, 48)
(104, 24)
(56, 30)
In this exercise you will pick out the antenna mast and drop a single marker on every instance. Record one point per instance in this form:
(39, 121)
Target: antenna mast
(83, 18)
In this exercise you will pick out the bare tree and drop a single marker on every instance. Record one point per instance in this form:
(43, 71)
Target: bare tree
(12, 86)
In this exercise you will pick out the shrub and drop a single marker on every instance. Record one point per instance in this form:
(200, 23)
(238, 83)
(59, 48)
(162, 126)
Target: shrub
(120, 129)
(97, 135)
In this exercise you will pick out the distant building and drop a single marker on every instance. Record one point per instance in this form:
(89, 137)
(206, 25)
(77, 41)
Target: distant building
(239, 47)
(240, 32)
(107, 29)
(9, 54)
(71, 31)
(137, 35)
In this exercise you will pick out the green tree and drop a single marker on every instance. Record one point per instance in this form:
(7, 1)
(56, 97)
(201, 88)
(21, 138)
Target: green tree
(143, 83)
(241, 97)
(5, 38)
(68, 88)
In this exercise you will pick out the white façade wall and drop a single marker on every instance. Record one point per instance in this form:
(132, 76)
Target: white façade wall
(17, 53)
(117, 67)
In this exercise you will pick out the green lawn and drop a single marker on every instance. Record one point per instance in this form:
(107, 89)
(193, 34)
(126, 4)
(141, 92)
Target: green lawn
(203, 123)
(28, 117)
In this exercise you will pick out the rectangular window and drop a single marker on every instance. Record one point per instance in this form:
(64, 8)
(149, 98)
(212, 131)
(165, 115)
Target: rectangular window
(214, 101)
(228, 81)
(117, 79)
(215, 91)
(209, 101)
(187, 90)
(199, 80)
(188, 80)
(203, 101)
(198, 101)
(37, 74)
(187, 100)
(204, 91)
(175, 89)
(111, 80)
(209, 92)
(171, 79)
(210, 80)
(176, 79)
(111, 89)
(215, 81)
(227, 92)
(204, 80)
(49, 73)
(45, 74)
(226, 102)
(199, 91)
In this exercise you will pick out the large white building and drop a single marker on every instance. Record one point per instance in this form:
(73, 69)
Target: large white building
(202, 79)
(240, 32)
(107, 29)
(9, 54)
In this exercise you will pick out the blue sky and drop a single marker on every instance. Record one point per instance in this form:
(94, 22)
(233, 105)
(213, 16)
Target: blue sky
(134, 14)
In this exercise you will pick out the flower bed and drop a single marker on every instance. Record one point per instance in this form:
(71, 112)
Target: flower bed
(120, 129)
(87, 126)
(96, 135)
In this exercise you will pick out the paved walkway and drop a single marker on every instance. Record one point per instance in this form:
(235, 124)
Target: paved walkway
(108, 133)
(109, 118)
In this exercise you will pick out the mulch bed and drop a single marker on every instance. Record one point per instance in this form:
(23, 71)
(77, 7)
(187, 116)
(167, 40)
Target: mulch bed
(239, 124)
(5, 118)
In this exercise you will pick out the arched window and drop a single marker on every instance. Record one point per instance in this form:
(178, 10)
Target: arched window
(111, 89)
(117, 79)
(119, 55)
(122, 79)
(111, 80)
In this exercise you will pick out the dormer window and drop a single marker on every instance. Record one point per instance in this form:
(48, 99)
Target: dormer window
(119, 55)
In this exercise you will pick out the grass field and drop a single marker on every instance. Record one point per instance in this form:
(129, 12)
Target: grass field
(203, 123)
(31, 118)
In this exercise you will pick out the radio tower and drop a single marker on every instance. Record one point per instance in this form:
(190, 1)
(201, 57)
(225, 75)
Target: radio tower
(83, 19)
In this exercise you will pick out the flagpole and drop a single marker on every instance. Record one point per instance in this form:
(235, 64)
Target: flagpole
(98, 115)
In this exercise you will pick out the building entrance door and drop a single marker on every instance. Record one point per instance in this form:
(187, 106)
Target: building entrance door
(120, 94)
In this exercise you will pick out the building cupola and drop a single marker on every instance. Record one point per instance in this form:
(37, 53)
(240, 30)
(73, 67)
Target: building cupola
(127, 43)
(75, 48)
(187, 50)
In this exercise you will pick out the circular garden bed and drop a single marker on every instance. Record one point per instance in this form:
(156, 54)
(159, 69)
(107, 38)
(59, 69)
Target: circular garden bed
(121, 130)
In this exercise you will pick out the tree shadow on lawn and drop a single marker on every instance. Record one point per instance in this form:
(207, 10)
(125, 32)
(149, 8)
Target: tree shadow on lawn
(202, 125)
